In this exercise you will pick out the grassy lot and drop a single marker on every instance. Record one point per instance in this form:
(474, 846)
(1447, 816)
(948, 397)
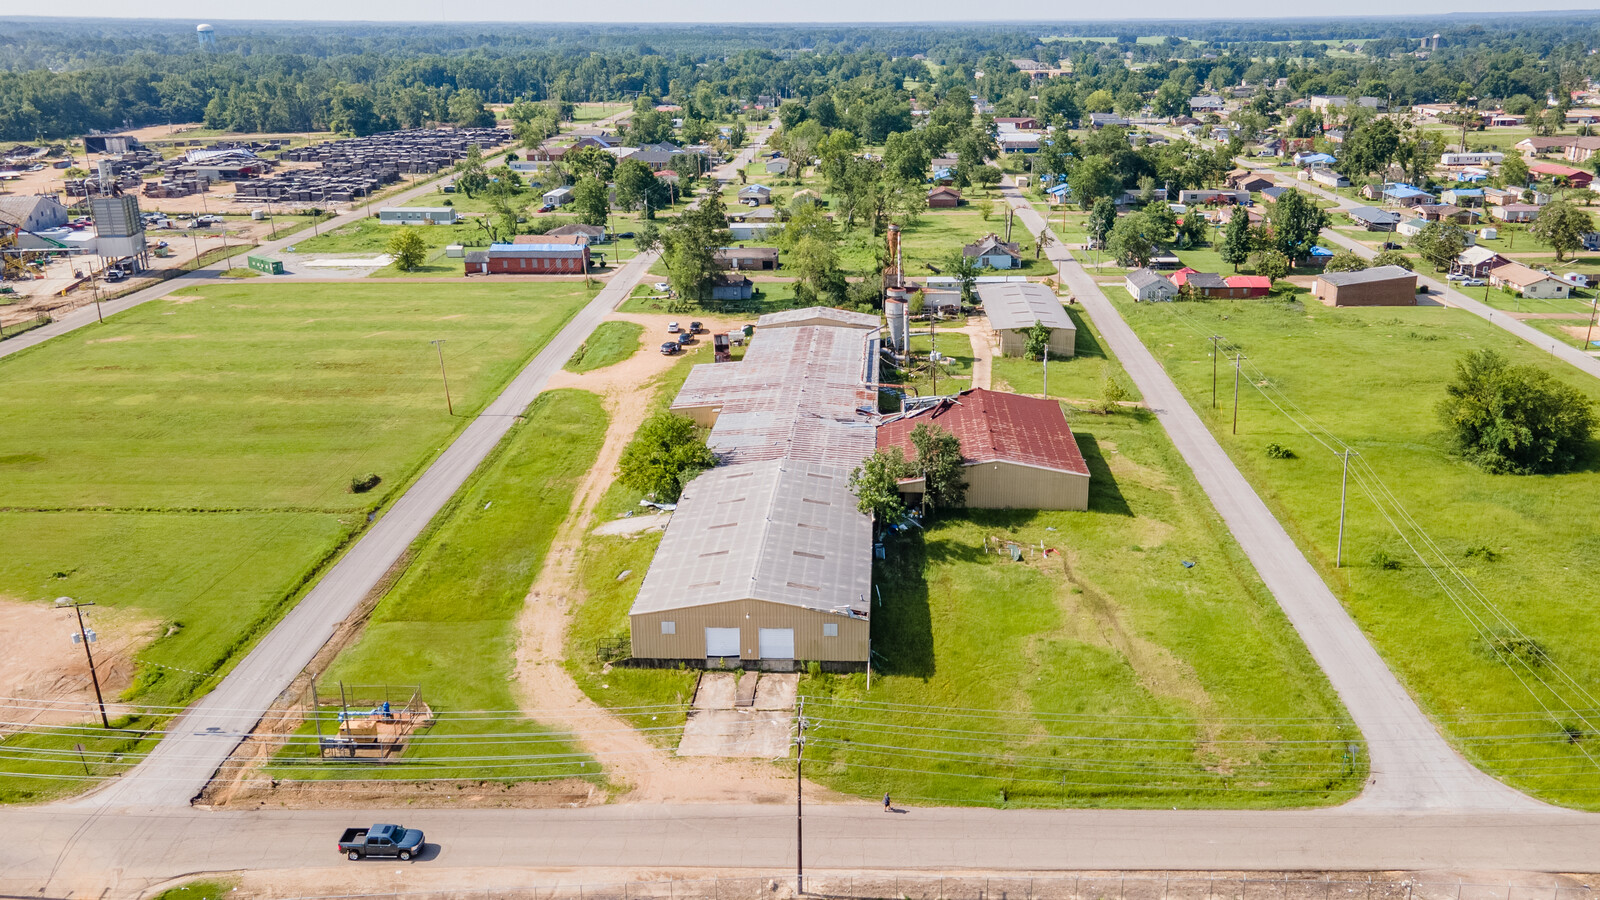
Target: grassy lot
(1517, 539)
(769, 296)
(449, 626)
(611, 342)
(223, 426)
(594, 112)
(1079, 380)
(1107, 673)
(366, 236)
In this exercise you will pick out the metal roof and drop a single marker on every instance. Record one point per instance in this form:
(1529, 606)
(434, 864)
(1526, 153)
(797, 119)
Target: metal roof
(1021, 304)
(1372, 214)
(504, 250)
(842, 317)
(780, 531)
(995, 427)
(1147, 277)
(1366, 276)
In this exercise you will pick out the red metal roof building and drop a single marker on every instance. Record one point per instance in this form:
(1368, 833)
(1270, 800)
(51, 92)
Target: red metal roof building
(1257, 285)
(1019, 451)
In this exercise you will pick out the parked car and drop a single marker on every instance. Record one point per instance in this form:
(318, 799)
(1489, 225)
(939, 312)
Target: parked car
(1457, 276)
(662, 286)
(696, 328)
(672, 328)
(1474, 282)
(381, 841)
(625, 235)
(669, 348)
(686, 338)
(548, 207)
(1390, 245)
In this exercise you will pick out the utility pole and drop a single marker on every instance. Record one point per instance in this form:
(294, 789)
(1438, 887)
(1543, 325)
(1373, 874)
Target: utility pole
(439, 345)
(799, 809)
(1236, 359)
(1344, 491)
(1594, 308)
(86, 637)
(1047, 370)
(1214, 339)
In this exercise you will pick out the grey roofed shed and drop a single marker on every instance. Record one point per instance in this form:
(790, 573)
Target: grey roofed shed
(780, 531)
(1377, 273)
(1020, 304)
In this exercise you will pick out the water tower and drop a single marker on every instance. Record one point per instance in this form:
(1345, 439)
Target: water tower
(206, 35)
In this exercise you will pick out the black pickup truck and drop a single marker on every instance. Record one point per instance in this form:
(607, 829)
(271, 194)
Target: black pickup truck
(381, 840)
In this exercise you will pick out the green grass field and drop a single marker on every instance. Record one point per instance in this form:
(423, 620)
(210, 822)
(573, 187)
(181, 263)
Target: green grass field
(1372, 377)
(448, 628)
(222, 426)
(1076, 380)
(1107, 672)
(611, 343)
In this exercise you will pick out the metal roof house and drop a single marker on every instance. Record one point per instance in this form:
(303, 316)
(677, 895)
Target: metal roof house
(767, 559)
(1146, 284)
(1013, 307)
(1373, 218)
(1016, 452)
(416, 215)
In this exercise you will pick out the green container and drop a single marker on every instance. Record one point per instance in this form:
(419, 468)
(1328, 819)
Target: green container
(267, 266)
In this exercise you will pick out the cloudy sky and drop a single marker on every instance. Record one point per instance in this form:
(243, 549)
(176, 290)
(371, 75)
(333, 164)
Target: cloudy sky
(630, 11)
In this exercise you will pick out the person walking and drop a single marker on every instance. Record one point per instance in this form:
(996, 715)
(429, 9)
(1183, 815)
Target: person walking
(886, 806)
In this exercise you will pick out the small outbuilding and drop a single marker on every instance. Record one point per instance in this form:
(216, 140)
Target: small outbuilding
(746, 258)
(1016, 306)
(560, 196)
(731, 286)
(1379, 286)
(944, 198)
(416, 215)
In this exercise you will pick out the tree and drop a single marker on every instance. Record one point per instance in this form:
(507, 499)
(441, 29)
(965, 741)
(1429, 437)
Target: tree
(1562, 226)
(1514, 171)
(589, 161)
(964, 269)
(939, 463)
(472, 178)
(591, 201)
(1112, 391)
(1439, 243)
(635, 183)
(1237, 241)
(876, 484)
(1102, 217)
(666, 453)
(1130, 241)
(1162, 223)
(466, 109)
(408, 248)
(736, 135)
(1392, 258)
(1516, 420)
(1273, 264)
(1042, 241)
(1296, 221)
(1094, 178)
(986, 176)
(1038, 340)
(690, 245)
(1345, 261)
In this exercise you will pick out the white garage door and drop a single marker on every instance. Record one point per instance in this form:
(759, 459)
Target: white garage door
(722, 642)
(777, 643)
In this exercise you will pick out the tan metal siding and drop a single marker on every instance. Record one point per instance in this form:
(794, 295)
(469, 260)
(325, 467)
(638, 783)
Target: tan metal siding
(1009, 486)
(1063, 342)
(750, 616)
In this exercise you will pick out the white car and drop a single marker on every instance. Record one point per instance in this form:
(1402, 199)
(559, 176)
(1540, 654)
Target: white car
(1456, 276)
(1473, 282)
(672, 328)
(662, 286)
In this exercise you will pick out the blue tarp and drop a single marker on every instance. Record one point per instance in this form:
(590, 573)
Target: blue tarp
(1316, 158)
(1403, 192)
(1321, 251)
(1060, 190)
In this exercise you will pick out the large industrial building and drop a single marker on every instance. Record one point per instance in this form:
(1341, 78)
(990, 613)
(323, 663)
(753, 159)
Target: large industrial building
(767, 560)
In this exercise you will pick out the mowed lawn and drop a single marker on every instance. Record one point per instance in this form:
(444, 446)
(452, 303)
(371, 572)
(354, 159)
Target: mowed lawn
(191, 459)
(1373, 377)
(1129, 657)
(448, 628)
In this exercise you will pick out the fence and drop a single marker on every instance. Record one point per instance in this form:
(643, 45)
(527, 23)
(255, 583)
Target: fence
(26, 325)
(926, 886)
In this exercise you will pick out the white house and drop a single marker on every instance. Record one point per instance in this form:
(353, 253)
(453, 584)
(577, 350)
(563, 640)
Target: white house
(1145, 284)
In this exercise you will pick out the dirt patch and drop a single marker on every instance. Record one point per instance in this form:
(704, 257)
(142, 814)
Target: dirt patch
(263, 792)
(45, 677)
(633, 525)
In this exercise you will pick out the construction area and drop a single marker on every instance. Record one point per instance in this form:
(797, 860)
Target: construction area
(368, 724)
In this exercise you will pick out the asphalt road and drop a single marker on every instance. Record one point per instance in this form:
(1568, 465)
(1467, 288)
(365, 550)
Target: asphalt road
(53, 852)
(1412, 766)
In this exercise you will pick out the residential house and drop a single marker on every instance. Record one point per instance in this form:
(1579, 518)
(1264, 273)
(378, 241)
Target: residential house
(591, 234)
(1540, 145)
(1017, 142)
(558, 197)
(1203, 105)
(1373, 219)
(1013, 307)
(1378, 286)
(1253, 285)
(1016, 452)
(1105, 120)
(1411, 227)
(1307, 159)
(731, 286)
(1515, 212)
(944, 198)
(746, 259)
(1476, 262)
(1466, 198)
(1214, 196)
(1207, 284)
(1582, 148)
(990, 252)
(1271, 194)
(782, 166)
(1577, 178)
(755, 194)
(1327, 178)
(1146, 284)
(1246, 180)
(1017, 123)
(416, 215)
(1530, 283)
(1444, 212)
(1406, 195)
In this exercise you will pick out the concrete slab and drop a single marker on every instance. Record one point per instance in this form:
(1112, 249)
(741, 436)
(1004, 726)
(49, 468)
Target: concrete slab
(634, 525)
(716, 690)
(777, 690)
(736, 733)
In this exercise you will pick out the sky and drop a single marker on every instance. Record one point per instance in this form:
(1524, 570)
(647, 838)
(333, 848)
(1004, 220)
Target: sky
(646, 11)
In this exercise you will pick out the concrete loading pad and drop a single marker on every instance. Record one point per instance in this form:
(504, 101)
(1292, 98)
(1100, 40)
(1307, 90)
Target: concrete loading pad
(741, 714)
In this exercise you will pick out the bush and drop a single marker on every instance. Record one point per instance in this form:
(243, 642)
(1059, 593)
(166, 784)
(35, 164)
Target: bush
(667, 453)
(1515, 420)
(363, 483)
(1383, 560)
(1276, 450)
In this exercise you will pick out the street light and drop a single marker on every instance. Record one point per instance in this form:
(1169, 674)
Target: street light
(86, 637)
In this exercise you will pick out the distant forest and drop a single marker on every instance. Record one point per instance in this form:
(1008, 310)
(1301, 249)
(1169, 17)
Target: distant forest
(61, 78)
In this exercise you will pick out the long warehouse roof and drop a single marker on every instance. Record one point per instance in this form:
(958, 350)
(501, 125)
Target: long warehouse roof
(1020, 304)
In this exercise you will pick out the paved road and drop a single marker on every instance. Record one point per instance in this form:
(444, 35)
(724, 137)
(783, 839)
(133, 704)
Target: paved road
(1446, 290)
(1413, 767)
(137, 847)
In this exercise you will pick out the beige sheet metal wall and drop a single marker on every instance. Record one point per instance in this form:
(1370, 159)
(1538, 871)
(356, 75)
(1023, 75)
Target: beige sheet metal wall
(997, 485)
(689, 624)
(1063, 341)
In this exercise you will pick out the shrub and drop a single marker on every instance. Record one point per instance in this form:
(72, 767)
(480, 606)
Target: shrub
(1515, 420)
(1276, 450)
(363, 483)
(665, 454)
(1383, 560)
(1481, 552)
